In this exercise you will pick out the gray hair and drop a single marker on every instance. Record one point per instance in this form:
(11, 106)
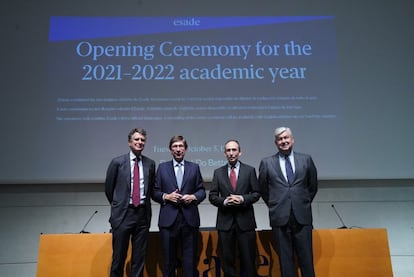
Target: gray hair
(280, 130)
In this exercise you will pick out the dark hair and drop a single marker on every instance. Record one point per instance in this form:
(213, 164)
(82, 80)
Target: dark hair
(232, 140)
(137, 130)
(178, 138)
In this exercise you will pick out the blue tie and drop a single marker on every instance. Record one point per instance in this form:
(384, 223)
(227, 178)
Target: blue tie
(179, 175)
(289, 170)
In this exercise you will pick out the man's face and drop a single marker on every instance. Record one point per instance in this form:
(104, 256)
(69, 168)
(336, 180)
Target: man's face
(137, 143)
(284, 142)
(232, 152)
(178, 150)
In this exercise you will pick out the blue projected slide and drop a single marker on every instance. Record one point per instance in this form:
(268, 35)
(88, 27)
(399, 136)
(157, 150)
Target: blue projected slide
(207, 78)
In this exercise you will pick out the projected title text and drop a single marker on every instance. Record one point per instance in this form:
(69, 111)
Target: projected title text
(96, 70)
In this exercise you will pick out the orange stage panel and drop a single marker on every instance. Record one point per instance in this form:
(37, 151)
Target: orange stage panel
(337, 252)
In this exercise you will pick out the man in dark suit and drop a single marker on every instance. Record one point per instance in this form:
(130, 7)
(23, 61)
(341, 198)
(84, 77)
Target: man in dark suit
(288, 182)
(179, 188)
(236, 224)
(128, 185)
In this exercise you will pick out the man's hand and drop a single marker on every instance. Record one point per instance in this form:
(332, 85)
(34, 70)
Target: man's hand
(188, 198)
(173, 196)
(233, 200)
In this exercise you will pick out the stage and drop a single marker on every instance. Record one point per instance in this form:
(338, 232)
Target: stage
(337, 252)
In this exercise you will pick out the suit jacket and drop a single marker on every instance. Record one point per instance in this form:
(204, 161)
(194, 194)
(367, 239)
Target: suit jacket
(247, 186)
(165, 182)
(281, 197)
(118, 186)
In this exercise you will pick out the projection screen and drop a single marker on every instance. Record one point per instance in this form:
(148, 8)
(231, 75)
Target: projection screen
(74, 85)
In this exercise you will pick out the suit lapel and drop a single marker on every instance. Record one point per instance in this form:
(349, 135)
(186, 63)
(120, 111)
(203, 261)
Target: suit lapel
(276, 164)
(242, 176)
(127, 170)
(298, 167)
(145, 169)
(187, 173)
(225, 173)
(171, 172)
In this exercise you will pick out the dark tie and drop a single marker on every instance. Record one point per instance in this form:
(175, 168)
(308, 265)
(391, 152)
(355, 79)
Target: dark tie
(289, 170)
(179, 175)
(136, 185)
(233, 178)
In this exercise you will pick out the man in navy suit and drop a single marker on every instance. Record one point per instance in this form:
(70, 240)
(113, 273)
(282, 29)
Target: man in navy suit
(289, 182)
(179, 188)
(128, 185)
(236, 223)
